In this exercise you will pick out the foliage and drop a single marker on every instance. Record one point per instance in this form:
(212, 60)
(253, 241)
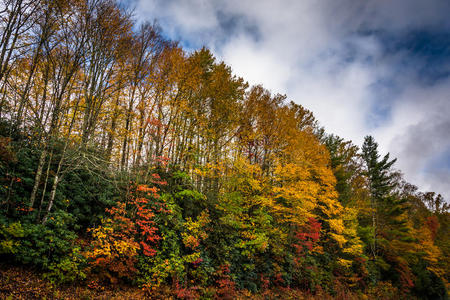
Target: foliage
(114, 250)
(52, 248)
(118, 241)
(126, 159)
(10, 237)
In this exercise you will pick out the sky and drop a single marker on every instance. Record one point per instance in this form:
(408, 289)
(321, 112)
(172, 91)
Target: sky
(377, 67)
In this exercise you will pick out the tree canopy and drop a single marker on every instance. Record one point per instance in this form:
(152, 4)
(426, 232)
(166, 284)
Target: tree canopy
(125, 159)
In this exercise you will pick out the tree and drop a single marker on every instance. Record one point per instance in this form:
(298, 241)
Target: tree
(380, 183)
(391, 244)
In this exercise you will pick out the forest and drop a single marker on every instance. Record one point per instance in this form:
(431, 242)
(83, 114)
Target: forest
(130, 164)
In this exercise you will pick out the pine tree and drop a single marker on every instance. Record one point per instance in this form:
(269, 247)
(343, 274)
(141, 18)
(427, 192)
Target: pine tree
(380, 181)
(391, 245)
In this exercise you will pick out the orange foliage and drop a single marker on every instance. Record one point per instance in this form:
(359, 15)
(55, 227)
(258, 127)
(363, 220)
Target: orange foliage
(118, 241)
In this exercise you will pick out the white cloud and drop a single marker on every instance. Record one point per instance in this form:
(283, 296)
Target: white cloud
(419, 133)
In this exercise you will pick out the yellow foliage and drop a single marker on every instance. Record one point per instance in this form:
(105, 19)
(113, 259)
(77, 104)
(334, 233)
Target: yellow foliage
(432, 252)
(345, 263)
(194, 230)
(337, 225)
(340, 239)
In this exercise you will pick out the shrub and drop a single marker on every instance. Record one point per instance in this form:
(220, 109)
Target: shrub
(52, 248)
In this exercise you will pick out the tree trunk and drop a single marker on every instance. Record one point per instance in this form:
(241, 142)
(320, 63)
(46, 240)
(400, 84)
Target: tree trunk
(37, 178)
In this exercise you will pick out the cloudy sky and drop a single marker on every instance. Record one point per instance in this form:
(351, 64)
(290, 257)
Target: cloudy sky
(379, 67)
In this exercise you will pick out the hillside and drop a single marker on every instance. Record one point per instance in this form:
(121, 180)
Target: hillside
(133, 168)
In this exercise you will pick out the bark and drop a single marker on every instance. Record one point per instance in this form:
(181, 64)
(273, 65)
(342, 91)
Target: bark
(37, 178)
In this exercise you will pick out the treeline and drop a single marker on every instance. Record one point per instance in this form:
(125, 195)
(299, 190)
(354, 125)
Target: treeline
(123, 158)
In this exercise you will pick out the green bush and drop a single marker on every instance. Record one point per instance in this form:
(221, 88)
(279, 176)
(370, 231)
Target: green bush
(67, 269)
(52, 248)
(10, 235)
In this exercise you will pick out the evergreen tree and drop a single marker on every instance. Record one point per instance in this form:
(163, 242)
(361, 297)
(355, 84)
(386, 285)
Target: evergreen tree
(345, 165)
(391, 245)
(380, 182)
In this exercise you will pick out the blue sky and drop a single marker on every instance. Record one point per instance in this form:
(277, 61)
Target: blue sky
(378, 67)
